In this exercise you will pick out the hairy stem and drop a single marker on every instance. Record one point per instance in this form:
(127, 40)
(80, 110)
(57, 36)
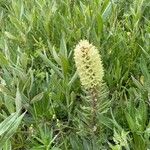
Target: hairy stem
(94, 108)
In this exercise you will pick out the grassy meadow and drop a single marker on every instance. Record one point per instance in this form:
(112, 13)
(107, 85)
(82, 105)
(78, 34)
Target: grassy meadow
(43, 105)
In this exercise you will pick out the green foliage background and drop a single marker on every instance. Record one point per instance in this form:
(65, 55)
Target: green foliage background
(42, 104)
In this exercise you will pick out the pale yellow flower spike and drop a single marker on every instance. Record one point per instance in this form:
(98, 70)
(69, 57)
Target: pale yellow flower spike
(89, 65)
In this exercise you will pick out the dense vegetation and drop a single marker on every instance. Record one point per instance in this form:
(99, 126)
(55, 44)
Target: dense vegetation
(42, 103)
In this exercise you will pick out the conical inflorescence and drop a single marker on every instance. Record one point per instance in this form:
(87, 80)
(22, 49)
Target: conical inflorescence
(89, 65)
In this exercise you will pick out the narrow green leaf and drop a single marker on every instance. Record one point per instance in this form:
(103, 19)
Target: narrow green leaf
(99, 23)
(5, 90)
(10, 36)
(73, 79)
(65, 65)
(63, 48)
(48, 62)
(145, 52)
(131, 122)
(138, 84)
(7, 145)
(5, 125)
(12, 128)
(37, 98)
(107, 10)
(55, 55)
(18, 100)
(3, 60)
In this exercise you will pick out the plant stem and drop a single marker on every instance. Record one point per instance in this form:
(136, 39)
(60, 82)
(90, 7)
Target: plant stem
(94, 109)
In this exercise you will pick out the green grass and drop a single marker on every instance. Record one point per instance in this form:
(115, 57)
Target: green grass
(42, 103)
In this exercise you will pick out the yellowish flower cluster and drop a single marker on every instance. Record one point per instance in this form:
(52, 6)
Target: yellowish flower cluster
(89, 65)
